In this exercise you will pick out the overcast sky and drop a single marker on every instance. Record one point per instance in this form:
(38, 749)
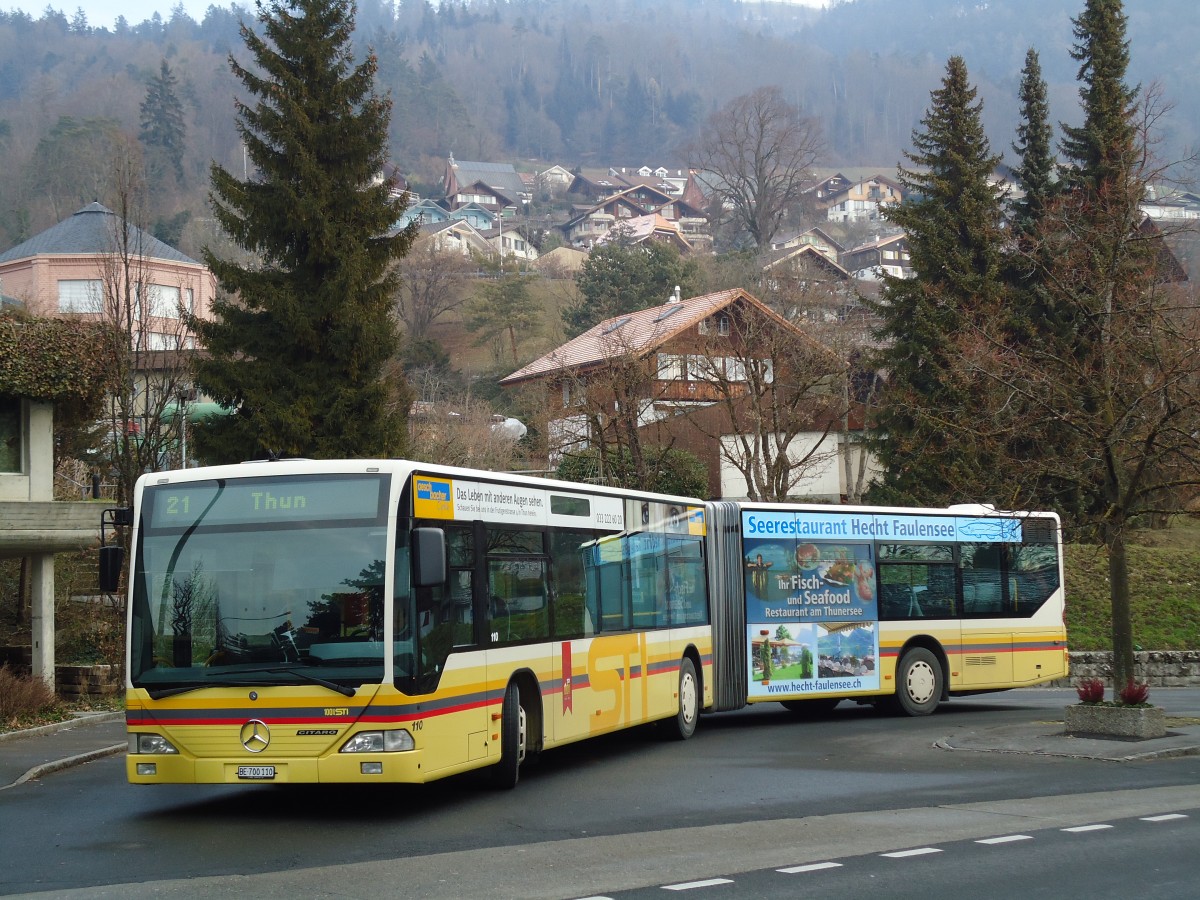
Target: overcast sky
(103, 13)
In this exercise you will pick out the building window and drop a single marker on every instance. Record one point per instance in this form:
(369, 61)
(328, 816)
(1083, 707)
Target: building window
(670, 367)
(723, 325)
(162, 301)
(80, 296)
(10, 435)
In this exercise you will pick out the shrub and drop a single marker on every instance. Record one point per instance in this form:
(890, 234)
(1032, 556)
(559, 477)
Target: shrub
(1135, 693)
(22, 697)
(1090, 690)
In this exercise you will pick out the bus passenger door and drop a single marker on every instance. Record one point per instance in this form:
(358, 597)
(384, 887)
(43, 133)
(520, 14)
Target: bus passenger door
(518, 630)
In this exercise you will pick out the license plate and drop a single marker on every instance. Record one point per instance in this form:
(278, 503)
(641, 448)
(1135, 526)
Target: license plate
(257, 772)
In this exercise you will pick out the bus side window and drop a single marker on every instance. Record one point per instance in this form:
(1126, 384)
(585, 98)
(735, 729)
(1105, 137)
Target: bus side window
(983, 579)
(688, 593)
(1034, 576)
(917, 581)
(517, 599)
(569, 598)
(648, 582)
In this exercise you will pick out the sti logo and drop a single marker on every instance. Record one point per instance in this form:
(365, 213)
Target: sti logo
(433, 491)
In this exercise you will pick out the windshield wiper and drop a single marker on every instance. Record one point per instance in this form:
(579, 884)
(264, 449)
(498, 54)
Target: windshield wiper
(340, 688)
(239, 682)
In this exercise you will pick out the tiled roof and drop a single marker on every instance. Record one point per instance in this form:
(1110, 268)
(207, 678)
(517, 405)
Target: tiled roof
(91, 230)
(637, 332)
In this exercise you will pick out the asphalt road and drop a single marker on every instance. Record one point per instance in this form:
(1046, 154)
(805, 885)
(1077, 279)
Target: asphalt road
(752, 792)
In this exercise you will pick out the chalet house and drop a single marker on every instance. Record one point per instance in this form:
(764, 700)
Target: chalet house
(457, 236)
(588, 224)
(66, 269)
(652, 227)
(493, 186)
(427, 212)
(830, 185)
(861, 201)
(480, 217)
(885, 255)
(810, 237)
(555, 180)
(592, 187)
(657, 371)
(509, 242)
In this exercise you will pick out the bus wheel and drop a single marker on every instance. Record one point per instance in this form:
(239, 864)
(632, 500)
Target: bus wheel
(683, 726)
(918, 683)
(818, 706)
(504, 774)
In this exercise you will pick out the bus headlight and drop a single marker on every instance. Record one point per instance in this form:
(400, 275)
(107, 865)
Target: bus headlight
(152, 744)
(392, 741)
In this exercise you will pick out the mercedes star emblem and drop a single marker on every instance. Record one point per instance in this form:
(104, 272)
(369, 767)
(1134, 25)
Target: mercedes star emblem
(255, 736)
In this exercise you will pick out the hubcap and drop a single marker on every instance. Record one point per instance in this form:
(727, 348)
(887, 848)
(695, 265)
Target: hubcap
(687, 698)
(920, 682)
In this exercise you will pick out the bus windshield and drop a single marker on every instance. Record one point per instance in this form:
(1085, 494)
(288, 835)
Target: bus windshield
(254, 581)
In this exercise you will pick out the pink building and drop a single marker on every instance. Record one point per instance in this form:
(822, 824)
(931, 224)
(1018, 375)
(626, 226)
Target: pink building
(72, 267)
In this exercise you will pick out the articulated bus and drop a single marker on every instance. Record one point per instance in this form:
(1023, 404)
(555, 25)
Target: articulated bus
(367, 621)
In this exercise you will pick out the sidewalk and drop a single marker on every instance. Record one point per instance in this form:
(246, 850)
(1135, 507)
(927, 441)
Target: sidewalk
(26, 755)
(1046, 738)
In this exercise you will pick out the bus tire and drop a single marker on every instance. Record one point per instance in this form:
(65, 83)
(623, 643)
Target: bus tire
(506, 773)
(683, 725)
(918, 683)
(818, 706)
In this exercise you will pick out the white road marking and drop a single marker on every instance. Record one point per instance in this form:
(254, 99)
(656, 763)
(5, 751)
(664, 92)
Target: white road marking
(1163, 818)
(920, 851)
(811, 867)
(1006, 839)
(1079, 828)
(692, 885)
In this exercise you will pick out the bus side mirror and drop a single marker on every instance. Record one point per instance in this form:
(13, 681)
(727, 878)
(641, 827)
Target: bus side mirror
(112, 558)
(428, 557)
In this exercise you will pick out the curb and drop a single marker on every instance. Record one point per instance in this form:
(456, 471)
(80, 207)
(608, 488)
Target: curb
(59, 764)
(1164, 753)
(84, 719)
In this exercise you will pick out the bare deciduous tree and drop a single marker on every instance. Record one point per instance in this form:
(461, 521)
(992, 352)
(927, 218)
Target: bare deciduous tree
(607, 404)
(432, 283)
(759, 151)
(146, 347)
(455, 427)
(1100, 405)
(781, 398)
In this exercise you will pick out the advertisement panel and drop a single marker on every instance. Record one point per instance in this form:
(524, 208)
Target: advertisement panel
(812, 593)
(439, 497)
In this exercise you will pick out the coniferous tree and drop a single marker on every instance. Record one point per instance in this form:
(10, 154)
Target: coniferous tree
(163, 127)
(953, 219)
(1029, 312)
(301, 337)
(1035, 171)
(1101, 151)
(1105, 276)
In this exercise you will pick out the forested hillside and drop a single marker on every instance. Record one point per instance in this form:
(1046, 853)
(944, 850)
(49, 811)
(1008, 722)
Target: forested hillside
(624, 82)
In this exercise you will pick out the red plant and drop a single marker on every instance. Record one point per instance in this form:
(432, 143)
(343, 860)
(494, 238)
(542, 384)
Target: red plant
(1090, 690)
(1135, 693)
